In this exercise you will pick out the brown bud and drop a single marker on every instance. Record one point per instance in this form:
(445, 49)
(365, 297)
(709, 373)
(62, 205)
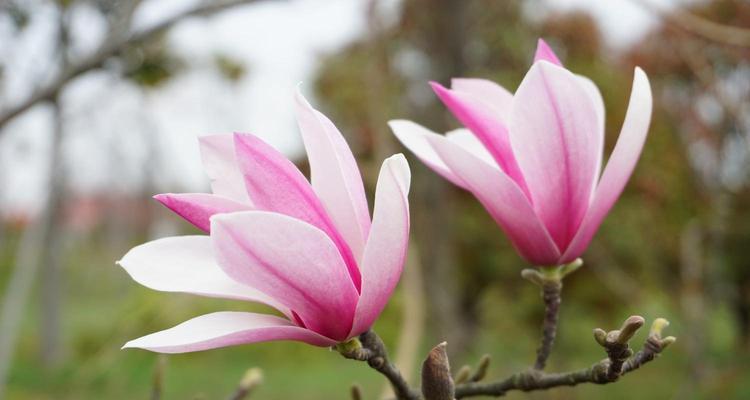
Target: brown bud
(437, 383)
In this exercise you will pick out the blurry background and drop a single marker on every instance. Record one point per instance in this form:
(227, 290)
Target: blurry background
(101, 102)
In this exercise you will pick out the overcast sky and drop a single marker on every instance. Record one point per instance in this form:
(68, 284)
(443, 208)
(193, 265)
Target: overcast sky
(280, 42)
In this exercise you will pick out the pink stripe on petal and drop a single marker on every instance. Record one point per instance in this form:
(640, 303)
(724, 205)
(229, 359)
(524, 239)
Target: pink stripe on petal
(486, 124)
(386, 248)
(413, 137)
(291, 260)
(275, 184)
(544, 52)
(227, 328)
(620, 165)
(220, 164)
(556, 138)
(335, 176)
(186, 264)
(197, 208)
(504, 200)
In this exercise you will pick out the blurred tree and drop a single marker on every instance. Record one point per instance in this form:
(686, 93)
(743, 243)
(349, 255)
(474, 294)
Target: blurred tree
(145, 60)
(705, 86)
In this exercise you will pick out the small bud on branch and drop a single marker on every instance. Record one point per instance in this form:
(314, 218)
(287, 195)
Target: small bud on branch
(356, 392)
(437, 383)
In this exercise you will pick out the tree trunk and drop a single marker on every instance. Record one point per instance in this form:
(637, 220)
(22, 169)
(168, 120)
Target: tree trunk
(28, 258)
(444, 43)
(52, 252)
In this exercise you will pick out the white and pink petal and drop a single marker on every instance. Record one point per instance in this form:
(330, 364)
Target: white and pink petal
(334, 175)
(385, 252)
(487, 124)
(503, 199)
(220, 164)
(275, 184)
(555, 135)
(197, 208)
(186, 264)
(291, 260)
(226, 328)
(414, 137)
(620, 165)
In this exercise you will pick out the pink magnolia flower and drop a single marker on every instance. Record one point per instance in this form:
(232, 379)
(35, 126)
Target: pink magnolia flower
(533, 158)
(309, 250)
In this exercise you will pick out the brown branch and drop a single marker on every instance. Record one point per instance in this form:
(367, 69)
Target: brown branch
(437, 383)
(605, 371)
(370, 348)
(731, 35)
(111, 47)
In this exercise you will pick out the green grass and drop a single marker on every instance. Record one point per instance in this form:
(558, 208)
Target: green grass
(103, 308)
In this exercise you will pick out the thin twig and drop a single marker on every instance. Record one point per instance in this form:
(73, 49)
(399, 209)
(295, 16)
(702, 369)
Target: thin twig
(110, 47)
(731, 35)
(599, 373)
(370, 348)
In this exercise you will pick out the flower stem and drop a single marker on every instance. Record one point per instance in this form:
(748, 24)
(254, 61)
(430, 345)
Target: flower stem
(549, 280)
(551, 296)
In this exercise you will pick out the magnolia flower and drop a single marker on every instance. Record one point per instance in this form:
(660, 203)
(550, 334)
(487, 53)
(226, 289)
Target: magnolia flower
(533, 158)
(309, 250)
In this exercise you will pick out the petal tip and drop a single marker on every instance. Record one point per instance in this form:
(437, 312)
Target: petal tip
(399, 125)
(639, 73)
(163, 198)
(437, 87)
(300, 99)
(545, 53)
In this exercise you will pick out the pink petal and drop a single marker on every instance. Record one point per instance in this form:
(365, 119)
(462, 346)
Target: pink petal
(556, 139)
(503, 199)
(335, 176)
(220, 164)
(490, 92)
(186, 264)
(222, 329)
(292, 261)
(596, 97)
(275, 184)
(197, 208)
(487, 124)
(544, 52)
(620, 166)
(413, 136)
(386, 248)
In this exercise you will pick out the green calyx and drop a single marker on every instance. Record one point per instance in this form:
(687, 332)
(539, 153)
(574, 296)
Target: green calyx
(351, 346)
(551, 275)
